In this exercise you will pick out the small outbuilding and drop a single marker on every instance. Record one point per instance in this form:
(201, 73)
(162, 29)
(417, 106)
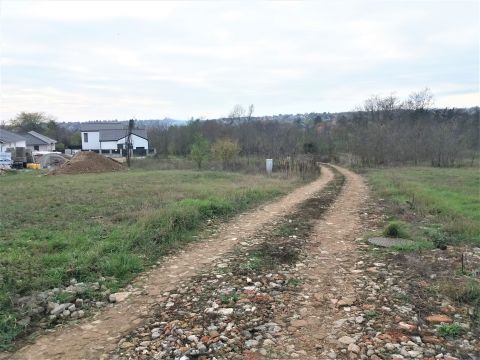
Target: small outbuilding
(39, 142)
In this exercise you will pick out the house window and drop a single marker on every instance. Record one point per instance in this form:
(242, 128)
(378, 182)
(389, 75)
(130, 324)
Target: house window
(85, 137)
(36, 147)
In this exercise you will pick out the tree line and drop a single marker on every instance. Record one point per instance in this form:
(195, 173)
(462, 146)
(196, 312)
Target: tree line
(383, 131)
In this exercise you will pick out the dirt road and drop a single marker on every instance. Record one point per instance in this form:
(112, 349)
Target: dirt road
(329, 271)
(99, 334)
(272, 298)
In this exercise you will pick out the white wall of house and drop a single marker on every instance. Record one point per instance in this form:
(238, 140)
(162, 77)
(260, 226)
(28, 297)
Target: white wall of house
(109, 145)
(46, 147)
(5, 146)
(137, 142)
(93, 142)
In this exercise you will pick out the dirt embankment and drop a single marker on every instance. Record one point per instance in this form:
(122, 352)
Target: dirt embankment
(87, 162)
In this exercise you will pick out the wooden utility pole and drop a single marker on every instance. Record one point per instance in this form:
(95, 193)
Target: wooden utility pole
(128, 141)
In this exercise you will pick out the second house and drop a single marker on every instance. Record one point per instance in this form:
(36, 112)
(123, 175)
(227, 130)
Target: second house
(110, 137)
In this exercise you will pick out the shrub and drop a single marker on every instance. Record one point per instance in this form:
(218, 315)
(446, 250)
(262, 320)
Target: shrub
(199, 151)
(395, 229)
(225, 150)
(438, 238)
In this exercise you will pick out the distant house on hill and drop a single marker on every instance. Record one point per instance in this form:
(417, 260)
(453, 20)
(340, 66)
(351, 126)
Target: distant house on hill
(10, 140)
(39, 142)
(110, 137)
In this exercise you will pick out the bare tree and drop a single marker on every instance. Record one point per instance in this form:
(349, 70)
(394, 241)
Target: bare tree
(420, 100)
(418, 103)
(251, 109)
(237, 113)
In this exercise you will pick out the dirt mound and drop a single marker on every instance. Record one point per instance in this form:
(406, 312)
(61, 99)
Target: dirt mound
(87, 162)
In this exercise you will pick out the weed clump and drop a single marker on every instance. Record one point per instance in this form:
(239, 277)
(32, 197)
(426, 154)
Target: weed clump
(371, 314)
(395, 229)
(450, 330)
(438, 238)
(466, 292)
(9, 330)
(233, 297)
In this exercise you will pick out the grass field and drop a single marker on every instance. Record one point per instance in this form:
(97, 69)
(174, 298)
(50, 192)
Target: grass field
(54, 228)
(449, 198)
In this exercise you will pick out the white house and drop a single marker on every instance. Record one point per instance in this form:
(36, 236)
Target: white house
(39, 142)
(110, 137)
(10, 140)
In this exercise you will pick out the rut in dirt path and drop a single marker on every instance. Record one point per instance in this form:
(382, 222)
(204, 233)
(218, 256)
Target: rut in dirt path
(100, 334)
(329, 272)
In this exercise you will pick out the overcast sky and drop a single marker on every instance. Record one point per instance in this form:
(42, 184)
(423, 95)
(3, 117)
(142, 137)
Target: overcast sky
(89, 60)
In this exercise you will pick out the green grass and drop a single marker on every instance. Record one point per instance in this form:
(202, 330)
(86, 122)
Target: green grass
(450, 330)
(371, 314)
(233, 297)
(294, 282)
(418, 245)
(449, 197)
(113, 225)
(63, 297)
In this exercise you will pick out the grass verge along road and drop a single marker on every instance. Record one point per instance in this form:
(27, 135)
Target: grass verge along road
(105, 227)
(449, 198)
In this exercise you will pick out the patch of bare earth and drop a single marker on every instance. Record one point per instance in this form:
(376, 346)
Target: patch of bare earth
(92, 337)
(328, 275)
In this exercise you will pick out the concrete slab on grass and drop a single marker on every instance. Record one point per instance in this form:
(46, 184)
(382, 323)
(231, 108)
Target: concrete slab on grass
(389, 242)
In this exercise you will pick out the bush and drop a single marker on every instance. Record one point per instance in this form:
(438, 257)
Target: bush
(225, 150)
(395, 229)
(438, 238)
(199, 151)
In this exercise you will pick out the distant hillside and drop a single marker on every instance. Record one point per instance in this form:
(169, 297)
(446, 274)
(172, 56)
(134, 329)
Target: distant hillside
(167, 122)
(325, 116)
(75, 126)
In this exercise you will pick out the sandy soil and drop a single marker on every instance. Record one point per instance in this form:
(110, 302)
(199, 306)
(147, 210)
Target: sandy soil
(332, 255)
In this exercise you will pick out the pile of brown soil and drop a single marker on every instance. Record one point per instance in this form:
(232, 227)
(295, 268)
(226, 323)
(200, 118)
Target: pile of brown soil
(87, 162)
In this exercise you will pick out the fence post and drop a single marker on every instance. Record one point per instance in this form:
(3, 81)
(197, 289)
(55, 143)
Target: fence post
(269, 165)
